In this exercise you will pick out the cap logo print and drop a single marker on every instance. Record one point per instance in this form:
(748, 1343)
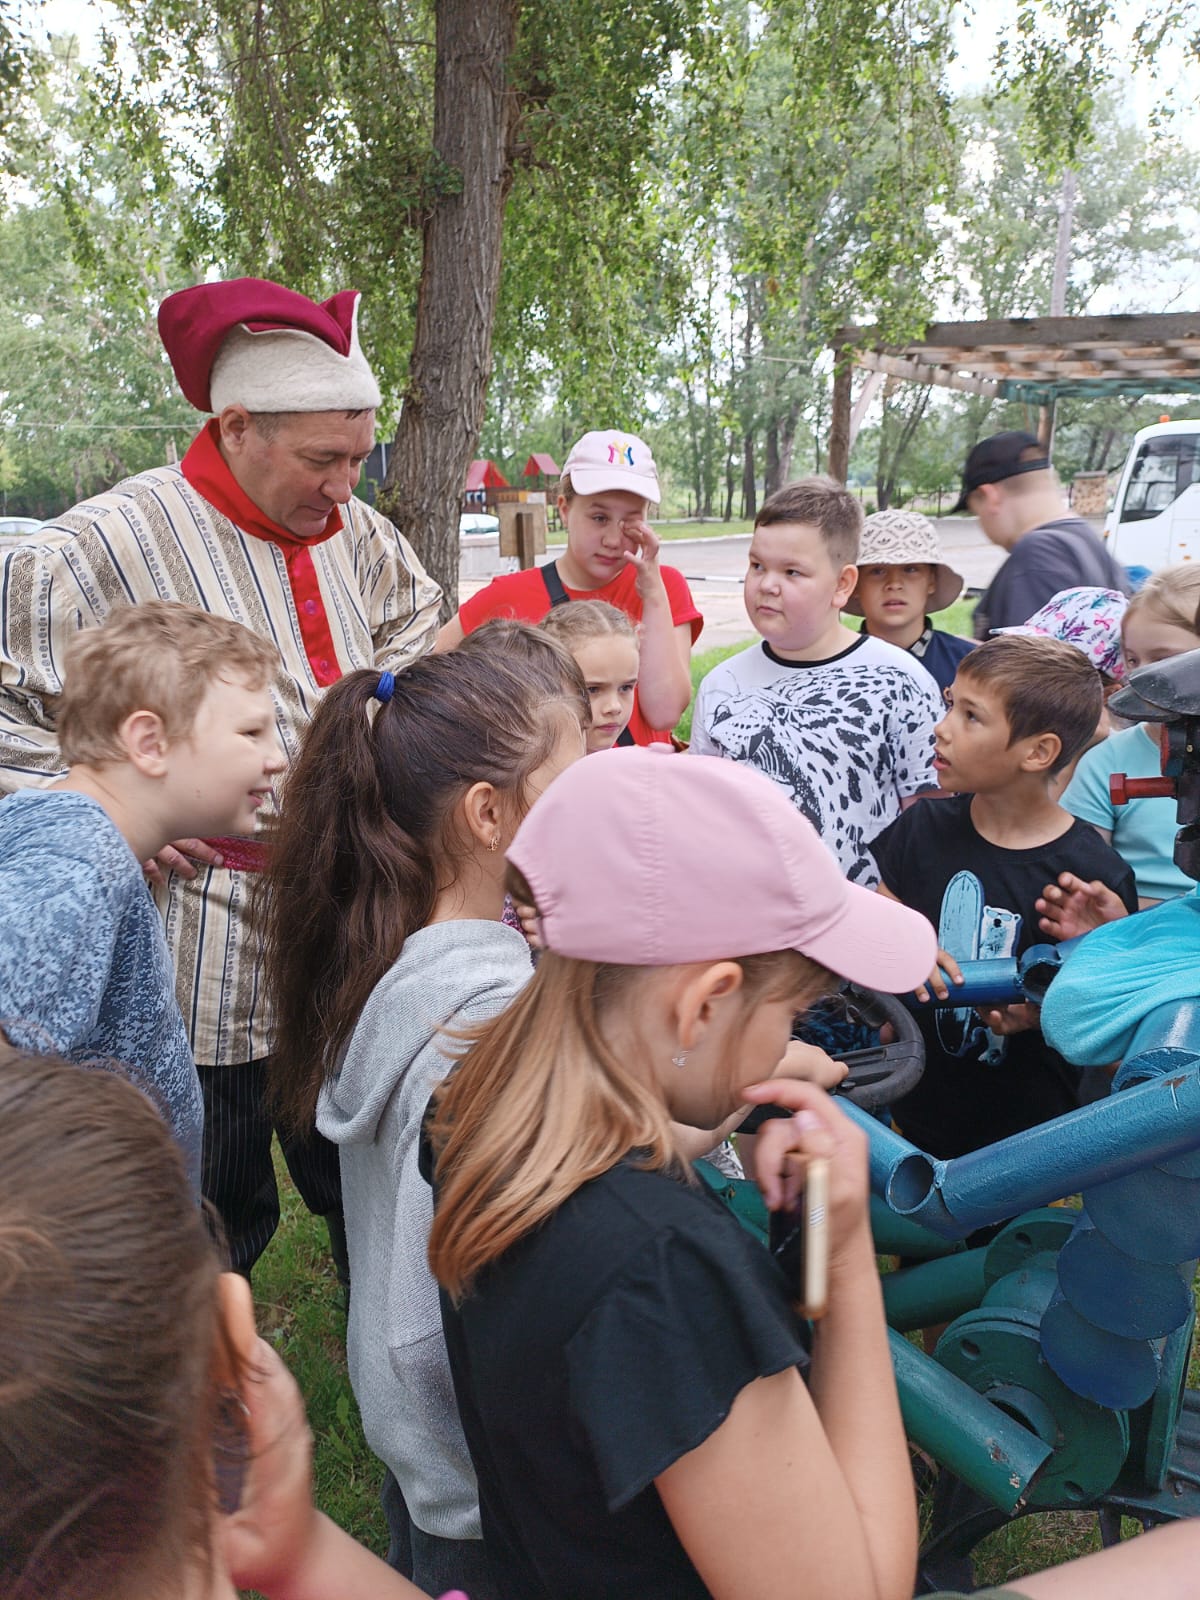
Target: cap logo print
(618, 452)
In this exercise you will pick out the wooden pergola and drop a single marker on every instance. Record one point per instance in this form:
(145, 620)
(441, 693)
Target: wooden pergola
(1032, 359)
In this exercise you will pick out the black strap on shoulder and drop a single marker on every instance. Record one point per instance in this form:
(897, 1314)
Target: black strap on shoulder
(554, 584)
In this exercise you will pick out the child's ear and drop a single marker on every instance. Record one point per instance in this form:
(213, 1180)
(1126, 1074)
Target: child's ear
(236, 1311)
(846, 585)
(482, 815)
(1041, 753)
(702, 994)
(143, 737)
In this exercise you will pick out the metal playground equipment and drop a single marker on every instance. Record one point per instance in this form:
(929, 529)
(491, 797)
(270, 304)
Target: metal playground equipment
(1059, 1382)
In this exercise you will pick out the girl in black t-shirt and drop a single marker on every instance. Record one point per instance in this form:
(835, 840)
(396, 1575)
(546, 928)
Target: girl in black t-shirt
(624, 1356)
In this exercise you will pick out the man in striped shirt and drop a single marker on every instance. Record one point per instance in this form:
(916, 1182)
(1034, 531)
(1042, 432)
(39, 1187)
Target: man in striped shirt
(259, 523)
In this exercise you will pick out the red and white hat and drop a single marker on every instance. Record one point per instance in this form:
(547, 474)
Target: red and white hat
(253, 343)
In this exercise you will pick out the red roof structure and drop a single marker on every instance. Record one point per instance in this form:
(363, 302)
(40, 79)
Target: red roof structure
(540, 465)
(484, 474)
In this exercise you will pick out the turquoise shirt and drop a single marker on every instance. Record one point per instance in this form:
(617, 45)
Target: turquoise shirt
(1143, 831)
(1118, 975)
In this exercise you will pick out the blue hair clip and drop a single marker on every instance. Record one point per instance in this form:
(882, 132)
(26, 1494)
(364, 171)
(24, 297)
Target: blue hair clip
(385, 687)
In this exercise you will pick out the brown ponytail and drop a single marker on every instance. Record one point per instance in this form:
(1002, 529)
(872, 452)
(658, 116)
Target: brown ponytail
(362, 851)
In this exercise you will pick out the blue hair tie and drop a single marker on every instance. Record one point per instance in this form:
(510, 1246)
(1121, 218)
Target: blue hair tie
(385, 688)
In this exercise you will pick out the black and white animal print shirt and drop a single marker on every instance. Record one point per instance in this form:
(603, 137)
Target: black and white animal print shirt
(847, 739)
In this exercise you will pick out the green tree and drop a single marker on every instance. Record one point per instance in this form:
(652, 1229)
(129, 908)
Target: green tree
(87, 396)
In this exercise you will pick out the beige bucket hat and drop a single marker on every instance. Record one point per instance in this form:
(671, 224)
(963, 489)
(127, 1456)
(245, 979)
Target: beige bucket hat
(896, 538)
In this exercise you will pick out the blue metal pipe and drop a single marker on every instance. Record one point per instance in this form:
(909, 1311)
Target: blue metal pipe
(1151, 1122)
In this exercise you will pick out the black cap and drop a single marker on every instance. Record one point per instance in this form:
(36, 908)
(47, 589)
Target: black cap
(992, 460)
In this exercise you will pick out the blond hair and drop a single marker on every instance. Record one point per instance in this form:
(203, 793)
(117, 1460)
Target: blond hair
(539, 1104)
(1171, 596)
(582, 620)
(158, 656)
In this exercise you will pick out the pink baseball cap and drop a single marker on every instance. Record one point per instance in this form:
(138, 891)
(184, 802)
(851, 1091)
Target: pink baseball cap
(612, 460)
(647, 859)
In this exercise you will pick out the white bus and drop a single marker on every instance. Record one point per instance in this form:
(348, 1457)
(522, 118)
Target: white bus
(1155, 516)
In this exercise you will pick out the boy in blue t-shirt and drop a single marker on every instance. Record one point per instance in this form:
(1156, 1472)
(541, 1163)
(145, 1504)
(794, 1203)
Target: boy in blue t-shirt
(167, 722)
(901, 579)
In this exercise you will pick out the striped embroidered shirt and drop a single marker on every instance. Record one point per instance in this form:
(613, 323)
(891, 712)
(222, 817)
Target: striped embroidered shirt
(362, 594)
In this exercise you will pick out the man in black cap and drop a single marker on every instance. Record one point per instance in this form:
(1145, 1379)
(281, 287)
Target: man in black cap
(1011, 487)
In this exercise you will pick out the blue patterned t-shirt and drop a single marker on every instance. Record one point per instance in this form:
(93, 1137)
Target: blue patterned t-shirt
(84, 968)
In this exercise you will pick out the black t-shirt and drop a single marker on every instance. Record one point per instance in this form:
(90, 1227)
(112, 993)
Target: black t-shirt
(1059, 555)
(976, 1087)
(592, 1355)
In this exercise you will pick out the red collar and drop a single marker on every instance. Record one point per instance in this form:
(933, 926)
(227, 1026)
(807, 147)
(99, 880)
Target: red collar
(206, 469)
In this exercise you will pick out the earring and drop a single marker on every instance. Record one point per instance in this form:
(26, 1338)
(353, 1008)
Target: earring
(495, 844)
(679, 1060)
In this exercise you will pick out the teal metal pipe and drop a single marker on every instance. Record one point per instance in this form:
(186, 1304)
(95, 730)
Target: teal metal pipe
(897, 1236)
(962, 1431)
(934, 1291)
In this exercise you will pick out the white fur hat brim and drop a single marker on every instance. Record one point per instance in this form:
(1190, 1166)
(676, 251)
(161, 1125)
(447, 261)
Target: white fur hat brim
(286, 369)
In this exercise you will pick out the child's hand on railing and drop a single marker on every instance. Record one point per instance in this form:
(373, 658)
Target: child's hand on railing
(946, 967)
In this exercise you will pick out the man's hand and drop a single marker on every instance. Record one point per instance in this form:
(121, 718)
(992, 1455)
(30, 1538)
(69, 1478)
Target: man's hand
(1071, 906)
(1017, 1018)
(178, 858)
(936, 981)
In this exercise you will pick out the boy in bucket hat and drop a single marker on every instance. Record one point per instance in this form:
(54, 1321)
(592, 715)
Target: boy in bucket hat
(901, 578)
(1009, 484)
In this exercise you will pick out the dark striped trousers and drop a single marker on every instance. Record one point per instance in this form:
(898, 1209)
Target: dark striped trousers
(238, 1176)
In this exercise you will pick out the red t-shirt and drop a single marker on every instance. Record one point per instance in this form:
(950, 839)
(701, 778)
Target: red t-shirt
(523, 595)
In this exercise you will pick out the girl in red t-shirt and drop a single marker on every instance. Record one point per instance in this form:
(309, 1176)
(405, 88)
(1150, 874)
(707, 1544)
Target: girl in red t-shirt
(607, 485)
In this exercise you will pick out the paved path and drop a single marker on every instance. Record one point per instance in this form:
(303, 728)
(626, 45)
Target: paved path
(715, 568)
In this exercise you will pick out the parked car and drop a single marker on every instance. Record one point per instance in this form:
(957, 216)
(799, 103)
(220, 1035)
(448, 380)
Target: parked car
(17, 527)
(477, 522)
(1155, 517)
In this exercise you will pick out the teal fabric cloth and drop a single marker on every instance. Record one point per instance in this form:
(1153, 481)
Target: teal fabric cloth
(1143, 831)
(1118, 975)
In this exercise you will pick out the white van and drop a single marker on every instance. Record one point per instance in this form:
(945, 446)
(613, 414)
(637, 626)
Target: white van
(1155, 517)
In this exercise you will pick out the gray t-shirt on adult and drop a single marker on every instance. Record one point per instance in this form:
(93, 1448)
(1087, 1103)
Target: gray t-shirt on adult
(84, 967)
(1064, 554)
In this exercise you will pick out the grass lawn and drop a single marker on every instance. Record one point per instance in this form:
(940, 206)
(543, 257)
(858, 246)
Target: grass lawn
(708, 529)
(298, 1311)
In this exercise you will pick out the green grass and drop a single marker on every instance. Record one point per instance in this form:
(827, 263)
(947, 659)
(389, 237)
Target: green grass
(298, 1303)
(708, 529)
(298, 1306)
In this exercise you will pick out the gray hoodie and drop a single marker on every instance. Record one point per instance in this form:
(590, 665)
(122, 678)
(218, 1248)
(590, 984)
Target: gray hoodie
(457, 974)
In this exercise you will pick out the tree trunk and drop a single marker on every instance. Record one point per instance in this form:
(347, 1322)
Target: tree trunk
(787, 442)
(771, 477)
(749, 491)
(460, 279)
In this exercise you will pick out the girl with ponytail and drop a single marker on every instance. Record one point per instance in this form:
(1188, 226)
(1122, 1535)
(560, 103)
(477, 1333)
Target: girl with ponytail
(383, 934)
